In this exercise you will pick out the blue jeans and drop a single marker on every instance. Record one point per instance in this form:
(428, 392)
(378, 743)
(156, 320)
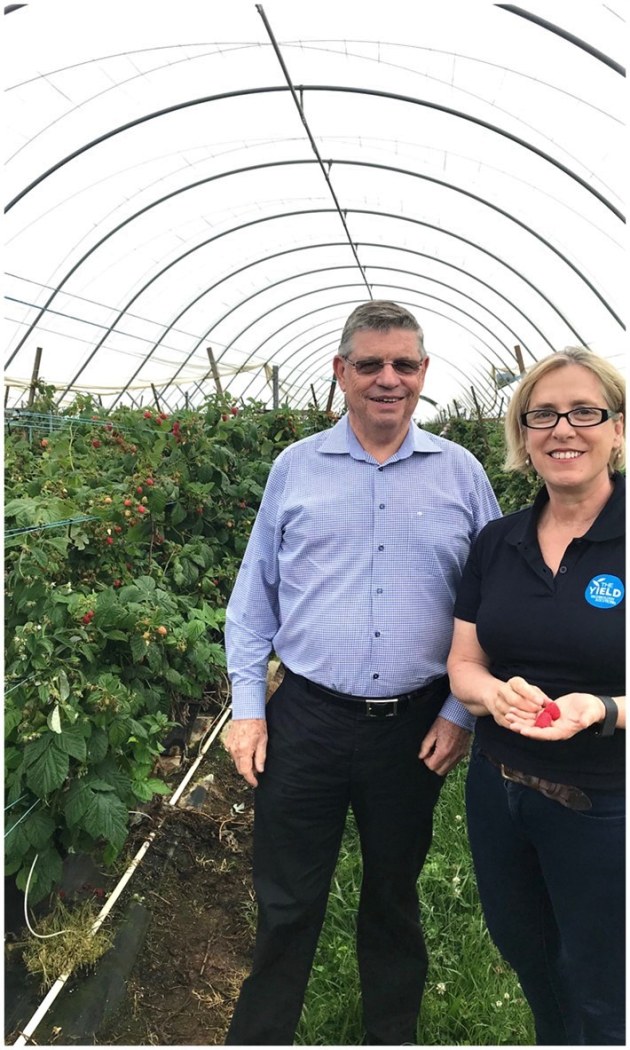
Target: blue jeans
(552, 887)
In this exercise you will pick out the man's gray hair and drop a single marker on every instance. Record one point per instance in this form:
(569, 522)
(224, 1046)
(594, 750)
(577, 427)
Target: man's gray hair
(379, 315)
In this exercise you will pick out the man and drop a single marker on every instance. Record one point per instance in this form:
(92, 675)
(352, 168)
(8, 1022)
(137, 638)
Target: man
(350, 577)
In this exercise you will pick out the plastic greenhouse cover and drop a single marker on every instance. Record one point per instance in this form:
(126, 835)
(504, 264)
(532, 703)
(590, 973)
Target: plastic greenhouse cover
(239, 176)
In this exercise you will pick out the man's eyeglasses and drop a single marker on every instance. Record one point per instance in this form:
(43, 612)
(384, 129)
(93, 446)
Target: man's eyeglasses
(370, 366)
(546, 418)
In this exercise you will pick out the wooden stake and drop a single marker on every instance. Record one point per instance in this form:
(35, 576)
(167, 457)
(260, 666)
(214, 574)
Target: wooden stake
(519, 358)
(214, 370)
(331, 393)
(275, 385)
(35, 375)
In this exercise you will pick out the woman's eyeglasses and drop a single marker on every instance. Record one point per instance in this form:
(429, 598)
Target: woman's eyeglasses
(370, 366)
(546, 418)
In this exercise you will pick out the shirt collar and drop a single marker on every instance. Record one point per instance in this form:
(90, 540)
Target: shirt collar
(610, 523)
(341, 439)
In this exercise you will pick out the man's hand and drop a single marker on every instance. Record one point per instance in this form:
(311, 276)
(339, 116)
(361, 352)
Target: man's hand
(444, 746)
(246, 740)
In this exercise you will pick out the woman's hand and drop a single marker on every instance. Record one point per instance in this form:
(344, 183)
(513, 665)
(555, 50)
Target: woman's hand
(518, 697)
(578, 711)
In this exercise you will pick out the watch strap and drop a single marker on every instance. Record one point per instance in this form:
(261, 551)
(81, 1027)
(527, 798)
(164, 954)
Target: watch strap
(607, 727)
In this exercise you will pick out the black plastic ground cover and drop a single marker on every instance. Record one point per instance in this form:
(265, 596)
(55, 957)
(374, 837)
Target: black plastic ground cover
(84, 1005)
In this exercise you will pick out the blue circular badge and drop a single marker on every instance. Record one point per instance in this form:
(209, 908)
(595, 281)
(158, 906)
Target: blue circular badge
(604, 592)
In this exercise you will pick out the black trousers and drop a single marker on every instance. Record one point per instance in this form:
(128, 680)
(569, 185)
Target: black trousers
(321, 759)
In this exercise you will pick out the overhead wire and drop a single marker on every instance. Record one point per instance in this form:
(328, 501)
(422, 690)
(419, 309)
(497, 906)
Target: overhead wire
(326, 173)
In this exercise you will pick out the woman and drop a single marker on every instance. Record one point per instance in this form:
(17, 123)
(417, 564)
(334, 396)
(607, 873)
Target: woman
(540, 628)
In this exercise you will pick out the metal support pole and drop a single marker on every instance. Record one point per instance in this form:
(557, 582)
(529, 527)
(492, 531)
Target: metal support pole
(314, 397)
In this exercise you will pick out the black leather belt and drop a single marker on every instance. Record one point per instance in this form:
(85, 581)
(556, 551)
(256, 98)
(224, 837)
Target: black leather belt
(565, 794)
(371, 707)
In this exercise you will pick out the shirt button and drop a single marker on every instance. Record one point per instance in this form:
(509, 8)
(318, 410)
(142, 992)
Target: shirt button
(377, 634)
(563, 568)
(379, 468)
(379, 590)
(381, 547)
(375, 676)
(381, 506)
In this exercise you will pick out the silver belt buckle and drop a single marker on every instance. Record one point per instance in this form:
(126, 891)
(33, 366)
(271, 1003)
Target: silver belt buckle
(376, 708)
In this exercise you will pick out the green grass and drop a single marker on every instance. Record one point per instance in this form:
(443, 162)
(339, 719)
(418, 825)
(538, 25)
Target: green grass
(472, 997)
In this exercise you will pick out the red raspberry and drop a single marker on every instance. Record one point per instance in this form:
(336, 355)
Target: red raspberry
(544, 720)
(553, 709)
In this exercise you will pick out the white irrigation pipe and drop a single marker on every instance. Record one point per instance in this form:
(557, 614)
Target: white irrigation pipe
(45, 1005)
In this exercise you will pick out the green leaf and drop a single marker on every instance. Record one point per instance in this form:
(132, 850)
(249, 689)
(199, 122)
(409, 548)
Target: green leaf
(46, 874)
(109, 773)
(138, 647)
(154, 658)
(48, 771)
(178, 514)
(146, 584)
(72, 742)
(138, 729)
(40, 557)
(118, 731)
(12, 718)
(97, 746)
(77, 802)
(141, 790)
(106, 817)
(130, 593)
(158, 787)
(64, 685)
(17, 843)
(39, 827)
(172, 676)
(54, 720)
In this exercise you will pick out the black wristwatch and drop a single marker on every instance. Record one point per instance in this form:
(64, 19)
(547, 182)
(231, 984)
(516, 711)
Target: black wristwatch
(607, 726)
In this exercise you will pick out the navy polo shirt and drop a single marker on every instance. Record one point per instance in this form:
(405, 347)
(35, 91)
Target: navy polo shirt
(563, 633)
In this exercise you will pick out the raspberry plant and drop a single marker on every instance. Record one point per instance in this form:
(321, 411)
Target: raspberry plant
(125, 532)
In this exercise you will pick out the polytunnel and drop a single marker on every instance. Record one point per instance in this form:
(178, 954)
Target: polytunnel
(199, 194)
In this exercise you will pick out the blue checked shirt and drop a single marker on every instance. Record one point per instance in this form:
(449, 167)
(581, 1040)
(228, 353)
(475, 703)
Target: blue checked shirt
(352, 567)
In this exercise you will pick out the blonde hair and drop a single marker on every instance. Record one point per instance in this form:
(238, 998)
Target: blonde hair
(613, 384)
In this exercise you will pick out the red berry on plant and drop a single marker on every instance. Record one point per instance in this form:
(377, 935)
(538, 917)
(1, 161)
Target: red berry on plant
(96, 443)
(109, 540)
